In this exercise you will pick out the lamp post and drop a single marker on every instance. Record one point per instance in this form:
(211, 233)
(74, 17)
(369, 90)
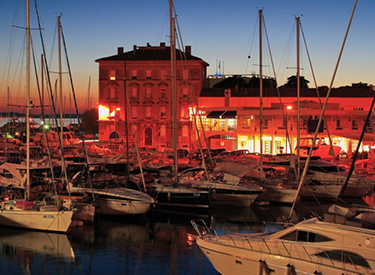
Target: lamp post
(286, 127)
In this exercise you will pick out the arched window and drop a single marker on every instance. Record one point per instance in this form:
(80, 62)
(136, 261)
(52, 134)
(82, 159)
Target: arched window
(114, 135)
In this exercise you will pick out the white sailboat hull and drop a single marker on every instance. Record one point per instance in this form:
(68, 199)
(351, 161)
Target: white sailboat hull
(233, 199)
(121, 207)
(55, 221)
(279, 195)
(46, 244)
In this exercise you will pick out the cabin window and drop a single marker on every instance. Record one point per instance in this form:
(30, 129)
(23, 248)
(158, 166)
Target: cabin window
(344, 256)
(305, 236)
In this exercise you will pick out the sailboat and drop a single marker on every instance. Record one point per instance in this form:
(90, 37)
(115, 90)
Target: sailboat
(26, 213)
(170, 194)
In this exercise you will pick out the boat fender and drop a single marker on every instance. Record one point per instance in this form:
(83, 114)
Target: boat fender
(263, 268)
(289, 270)
(260, 267)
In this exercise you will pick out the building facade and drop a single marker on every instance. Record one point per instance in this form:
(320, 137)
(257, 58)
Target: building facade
(135, 90)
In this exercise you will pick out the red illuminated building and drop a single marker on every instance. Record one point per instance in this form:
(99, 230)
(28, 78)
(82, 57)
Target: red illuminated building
(228, 112)
(140, 81)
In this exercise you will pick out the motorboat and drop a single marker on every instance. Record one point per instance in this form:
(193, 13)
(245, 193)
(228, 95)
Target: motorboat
(178, 197)
(109, 196)
(226, 188)
(170, 195)
(309, 247)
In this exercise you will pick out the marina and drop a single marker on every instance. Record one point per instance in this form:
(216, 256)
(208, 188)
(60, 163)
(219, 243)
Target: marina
(174, 172)
(157, 243)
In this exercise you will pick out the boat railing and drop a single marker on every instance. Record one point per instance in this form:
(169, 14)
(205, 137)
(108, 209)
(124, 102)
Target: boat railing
(203, 230)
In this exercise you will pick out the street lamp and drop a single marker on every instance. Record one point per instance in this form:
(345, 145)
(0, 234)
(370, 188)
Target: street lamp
(286, 127)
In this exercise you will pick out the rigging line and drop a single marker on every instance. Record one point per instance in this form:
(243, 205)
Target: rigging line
(278, 90)
(49, 84)
(325, 104)
(287, 52)
(317, 90)
(195, 103)
(250, 46)
(42, 116)
(78, 119)
(11, 46)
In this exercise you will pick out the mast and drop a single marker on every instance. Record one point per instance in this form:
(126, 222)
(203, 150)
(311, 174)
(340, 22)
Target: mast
(261, 94)
(173, 86)
(298, 101)
(29, 105)
(60, 78)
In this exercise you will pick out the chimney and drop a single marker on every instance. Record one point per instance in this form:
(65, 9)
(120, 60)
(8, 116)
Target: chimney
(120, 50)
(188, 50)
(162, 44)
(134, 49)
(148, 45)
(227, 93)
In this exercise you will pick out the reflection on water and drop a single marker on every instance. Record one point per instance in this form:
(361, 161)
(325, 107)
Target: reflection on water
(157, 243)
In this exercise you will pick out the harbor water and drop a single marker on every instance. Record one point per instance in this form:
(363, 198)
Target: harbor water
(157, 243)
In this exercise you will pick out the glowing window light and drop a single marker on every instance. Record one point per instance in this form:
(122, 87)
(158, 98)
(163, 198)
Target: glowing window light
(103, 112)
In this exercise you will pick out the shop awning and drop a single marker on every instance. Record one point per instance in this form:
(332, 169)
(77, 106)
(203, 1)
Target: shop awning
(229, 114)
(215, 114)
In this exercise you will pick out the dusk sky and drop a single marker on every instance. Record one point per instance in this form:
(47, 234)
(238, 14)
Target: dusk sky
(218, 31)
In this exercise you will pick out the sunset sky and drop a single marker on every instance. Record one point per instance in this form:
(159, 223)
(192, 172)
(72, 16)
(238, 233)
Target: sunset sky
(224, 32)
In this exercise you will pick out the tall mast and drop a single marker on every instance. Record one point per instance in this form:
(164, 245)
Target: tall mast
(173, 86)
(60, 78)
(261, 93)
(298, 101)
(28, 103)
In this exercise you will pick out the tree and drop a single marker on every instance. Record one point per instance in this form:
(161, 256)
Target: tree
(292, 82)
(89, 122)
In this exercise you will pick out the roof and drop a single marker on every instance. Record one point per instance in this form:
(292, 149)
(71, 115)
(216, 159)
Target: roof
(289, 92)
(149, 52)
